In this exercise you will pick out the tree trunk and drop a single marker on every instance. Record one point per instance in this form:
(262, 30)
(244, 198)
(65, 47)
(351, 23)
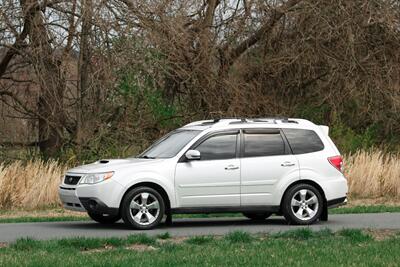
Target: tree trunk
(83, 70)
(52, 85)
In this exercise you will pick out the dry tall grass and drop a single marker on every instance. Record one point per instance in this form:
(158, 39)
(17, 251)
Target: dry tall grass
(34, 184)
(373, 174)
(30, 185)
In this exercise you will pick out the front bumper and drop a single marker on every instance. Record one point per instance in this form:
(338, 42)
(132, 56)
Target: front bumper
(94, 205)
(103, 198)
(70, 199)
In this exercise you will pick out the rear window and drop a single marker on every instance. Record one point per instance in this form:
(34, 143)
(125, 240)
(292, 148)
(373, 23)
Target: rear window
(263, 144)
(303, 141)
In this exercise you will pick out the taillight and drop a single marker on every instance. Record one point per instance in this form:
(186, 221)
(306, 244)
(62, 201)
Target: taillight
(337, 162)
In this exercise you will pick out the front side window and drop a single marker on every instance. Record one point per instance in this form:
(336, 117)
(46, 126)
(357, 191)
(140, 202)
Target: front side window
(218, 147)
(169, 145)
(263, 144)
(303, 141)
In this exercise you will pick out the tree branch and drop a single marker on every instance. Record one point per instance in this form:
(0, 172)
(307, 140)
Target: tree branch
(242, 47)
(19, 40)
(18, 44)
(209, 16)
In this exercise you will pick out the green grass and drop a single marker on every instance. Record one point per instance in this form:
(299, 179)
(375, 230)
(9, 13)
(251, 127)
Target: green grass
(355, 235)
(164, 236)
(199, 240)
(239, 237)
(341, 210)
(300, 247)
(303, 234)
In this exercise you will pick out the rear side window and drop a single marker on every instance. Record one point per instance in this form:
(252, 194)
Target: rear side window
(303, 141)
(263, 144)
(218, 147)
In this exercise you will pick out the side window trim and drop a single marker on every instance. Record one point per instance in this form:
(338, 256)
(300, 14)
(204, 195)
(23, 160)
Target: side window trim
(287, 148)
(262, 131)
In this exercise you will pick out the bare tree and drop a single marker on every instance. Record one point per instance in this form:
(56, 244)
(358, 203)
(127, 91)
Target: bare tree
(116, 71)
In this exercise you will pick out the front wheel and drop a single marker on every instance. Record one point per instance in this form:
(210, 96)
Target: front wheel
(143, 208)
(257, 215)
(104, 219)
(302, 204)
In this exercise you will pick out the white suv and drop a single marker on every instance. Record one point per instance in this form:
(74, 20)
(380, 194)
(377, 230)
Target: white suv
(289, 167)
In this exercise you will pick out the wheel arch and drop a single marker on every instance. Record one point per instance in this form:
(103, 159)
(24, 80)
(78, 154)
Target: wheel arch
(309, 182)
(154, 186)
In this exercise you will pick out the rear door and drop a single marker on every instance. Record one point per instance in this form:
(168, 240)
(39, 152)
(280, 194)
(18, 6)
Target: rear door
(266, 159)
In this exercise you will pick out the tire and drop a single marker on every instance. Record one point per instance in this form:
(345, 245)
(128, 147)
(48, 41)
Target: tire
(307, 204)
(104, 219)
(257, 215)
(139, 215)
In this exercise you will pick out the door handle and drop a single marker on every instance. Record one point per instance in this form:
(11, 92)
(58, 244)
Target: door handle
(287, 164)
(231, 167)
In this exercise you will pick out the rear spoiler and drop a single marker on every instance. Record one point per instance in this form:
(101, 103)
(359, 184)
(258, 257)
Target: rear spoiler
(325, 129)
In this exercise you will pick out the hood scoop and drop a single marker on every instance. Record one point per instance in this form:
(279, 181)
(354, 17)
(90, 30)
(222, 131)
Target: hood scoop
(104, 161)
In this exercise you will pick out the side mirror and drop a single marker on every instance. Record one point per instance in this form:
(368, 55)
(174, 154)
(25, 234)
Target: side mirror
(192, 154)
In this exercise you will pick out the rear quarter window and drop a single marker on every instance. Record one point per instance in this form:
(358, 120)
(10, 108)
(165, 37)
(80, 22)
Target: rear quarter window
(303, 141)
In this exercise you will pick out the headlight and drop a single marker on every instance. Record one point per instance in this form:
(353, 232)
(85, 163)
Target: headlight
(94, 178)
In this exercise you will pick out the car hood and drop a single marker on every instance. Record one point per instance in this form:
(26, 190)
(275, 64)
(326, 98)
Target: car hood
(106, 165)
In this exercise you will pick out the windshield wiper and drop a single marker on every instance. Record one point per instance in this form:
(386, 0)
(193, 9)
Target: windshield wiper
(146, 157)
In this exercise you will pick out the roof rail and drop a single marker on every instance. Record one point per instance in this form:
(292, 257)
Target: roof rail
(244, 120)
(289, 121)
(282, 119)
(265, 120)
(209, 122)
(241, 120)
(213, 121)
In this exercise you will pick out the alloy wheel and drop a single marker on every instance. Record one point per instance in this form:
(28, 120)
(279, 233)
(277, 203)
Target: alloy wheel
(304, 204)
(144, 208)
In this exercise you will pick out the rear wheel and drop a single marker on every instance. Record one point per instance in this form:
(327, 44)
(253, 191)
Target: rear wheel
(143, 208)
(302, 204)
(257, 215)
(103, 218)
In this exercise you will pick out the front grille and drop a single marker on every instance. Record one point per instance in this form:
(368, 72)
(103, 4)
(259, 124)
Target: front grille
(72, 180)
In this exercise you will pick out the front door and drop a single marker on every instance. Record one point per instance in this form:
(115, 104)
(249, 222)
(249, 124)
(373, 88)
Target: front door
(214, 179)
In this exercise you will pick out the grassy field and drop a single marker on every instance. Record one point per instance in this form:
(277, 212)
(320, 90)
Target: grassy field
(294, 248)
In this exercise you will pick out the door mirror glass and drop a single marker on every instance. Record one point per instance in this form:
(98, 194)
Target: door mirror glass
(192, 154)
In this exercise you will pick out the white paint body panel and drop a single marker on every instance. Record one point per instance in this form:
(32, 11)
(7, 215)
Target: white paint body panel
(262, 176)
(207, 183)
(256, 181)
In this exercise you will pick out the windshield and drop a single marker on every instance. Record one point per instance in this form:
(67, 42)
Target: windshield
(169, 145)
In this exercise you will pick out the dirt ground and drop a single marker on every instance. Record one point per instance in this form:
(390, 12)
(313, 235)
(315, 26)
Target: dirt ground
(373, 201)
(50, 212)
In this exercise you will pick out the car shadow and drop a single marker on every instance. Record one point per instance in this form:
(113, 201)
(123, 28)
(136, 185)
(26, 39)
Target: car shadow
(223, 222)
(176, 223)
